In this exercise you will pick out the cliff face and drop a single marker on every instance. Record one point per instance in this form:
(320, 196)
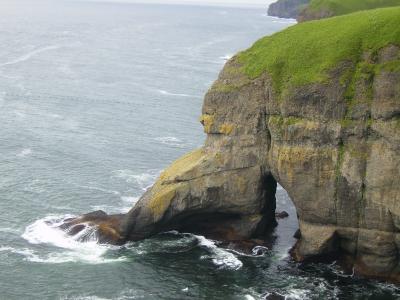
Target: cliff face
(330, 135)
(286, 8)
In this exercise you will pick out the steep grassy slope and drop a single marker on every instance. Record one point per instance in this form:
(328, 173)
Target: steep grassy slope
(306, 52)
(318, 9)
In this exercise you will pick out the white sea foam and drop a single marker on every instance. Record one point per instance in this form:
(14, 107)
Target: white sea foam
(24, 152)
(220, 257)
(5, 248)
(170, 141)
(226, 57)
(29, 55)
(96, 188)
(130, 200)
(297, 294)
(166, 93)
(280, 20)
(144, 180)
(82, 247)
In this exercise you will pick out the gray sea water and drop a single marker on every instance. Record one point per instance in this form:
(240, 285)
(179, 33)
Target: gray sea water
(96, 99)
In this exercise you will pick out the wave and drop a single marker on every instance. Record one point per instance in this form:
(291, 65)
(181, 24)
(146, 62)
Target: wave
(220, 257)
(29, 55)
(82, 247)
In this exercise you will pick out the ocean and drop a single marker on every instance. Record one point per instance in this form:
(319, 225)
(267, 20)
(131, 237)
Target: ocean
(96, 98)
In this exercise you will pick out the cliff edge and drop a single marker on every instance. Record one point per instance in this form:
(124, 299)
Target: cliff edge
(320, 9)
(319, 114)
(286, 8)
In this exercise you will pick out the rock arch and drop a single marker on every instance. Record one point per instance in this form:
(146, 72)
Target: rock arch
(339, 160)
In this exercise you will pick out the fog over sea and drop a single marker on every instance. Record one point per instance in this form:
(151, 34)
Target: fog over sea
(96, 99)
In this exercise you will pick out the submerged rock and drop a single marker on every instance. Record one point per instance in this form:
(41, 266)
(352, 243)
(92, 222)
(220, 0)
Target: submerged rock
(107, 226)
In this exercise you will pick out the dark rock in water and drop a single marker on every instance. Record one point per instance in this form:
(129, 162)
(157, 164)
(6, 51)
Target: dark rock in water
(274, 296)
(297, 234)
(251, 247)
(107, 227)
(281, 215)
(286, 8)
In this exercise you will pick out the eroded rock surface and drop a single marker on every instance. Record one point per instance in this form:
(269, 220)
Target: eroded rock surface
(337, 156)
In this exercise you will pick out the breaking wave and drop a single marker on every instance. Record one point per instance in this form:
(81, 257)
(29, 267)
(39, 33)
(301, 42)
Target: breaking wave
(220, 257)
(82, 247)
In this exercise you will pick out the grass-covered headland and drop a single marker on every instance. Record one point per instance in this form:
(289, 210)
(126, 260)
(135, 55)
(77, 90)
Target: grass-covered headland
(304, 53)
(318, 9)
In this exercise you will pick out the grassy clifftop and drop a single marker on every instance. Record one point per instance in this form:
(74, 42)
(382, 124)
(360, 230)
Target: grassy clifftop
(304, 53)
(318, 9)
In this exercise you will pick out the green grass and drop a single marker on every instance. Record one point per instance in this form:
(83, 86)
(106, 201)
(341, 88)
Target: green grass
(305, 53)
(341, 7)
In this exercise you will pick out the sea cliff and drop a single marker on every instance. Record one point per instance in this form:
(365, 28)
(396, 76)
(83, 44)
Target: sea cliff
(286, 8)
(315, 108)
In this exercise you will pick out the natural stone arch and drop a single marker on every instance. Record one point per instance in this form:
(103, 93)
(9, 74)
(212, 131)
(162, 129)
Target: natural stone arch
(338, 160)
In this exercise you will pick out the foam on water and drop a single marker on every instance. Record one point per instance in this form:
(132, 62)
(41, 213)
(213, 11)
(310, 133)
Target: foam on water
(99, 189)
(30, 55)
(297, 294)
(171, 141)
(166, 93)
(220, 257)
(82, 247)
(226, 57)
(130, 200)
(280, 20)
(24, 152)
(144, 180)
